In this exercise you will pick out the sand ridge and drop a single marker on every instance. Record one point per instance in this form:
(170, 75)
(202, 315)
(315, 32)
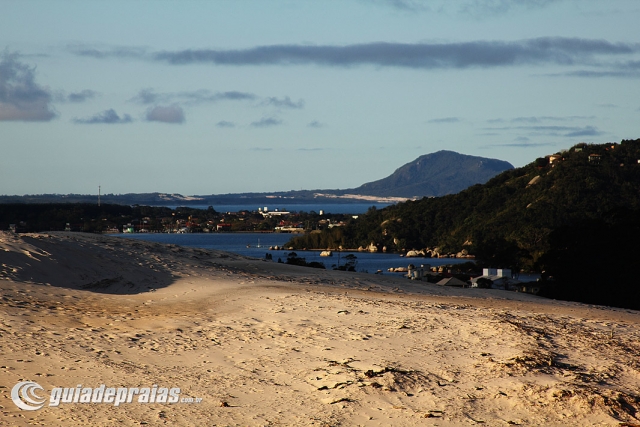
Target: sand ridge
(269, 344)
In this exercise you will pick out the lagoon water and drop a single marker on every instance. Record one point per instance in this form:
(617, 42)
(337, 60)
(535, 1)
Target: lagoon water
(238, 242)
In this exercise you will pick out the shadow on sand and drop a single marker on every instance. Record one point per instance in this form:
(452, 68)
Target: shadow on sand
(98, 263)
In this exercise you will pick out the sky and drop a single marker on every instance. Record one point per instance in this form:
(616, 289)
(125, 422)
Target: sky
(216, 97)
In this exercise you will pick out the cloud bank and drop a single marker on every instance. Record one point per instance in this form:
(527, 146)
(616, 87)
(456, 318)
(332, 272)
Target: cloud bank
(21, 98)
(598, 57)
(404, 5)
(480, 8)
(285, 102)
(266, 122)
(109, 117)
(445, 120)
(112, 52)
(540, 119)
(485, 54)
(166, 114)
(567, 131)
(149, 96)
(522, 144)
(81, 96)
(477, 8)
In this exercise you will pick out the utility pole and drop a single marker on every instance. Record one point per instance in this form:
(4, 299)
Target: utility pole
(98, 195)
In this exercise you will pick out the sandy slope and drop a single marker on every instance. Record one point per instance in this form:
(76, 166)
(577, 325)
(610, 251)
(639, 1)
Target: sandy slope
(269, 344)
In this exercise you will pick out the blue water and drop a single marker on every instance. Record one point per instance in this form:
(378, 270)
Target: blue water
(333, 208)
(237, 243)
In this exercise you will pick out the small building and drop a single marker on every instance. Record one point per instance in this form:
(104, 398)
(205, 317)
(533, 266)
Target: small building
(553, 158)
(595, 158)
(499, 272)
(494, 281)
(223, 226)
(489, 271)
(289, 229)
(274, 213)
(504, 272)
(499, 278)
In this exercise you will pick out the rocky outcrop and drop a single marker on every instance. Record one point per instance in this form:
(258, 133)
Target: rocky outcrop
(415, 254)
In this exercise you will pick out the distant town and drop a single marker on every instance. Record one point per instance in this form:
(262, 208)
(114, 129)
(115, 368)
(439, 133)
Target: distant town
(110, 218)
(260, 220)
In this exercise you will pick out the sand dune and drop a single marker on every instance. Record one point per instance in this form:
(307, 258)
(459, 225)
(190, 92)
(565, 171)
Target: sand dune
(263, 343)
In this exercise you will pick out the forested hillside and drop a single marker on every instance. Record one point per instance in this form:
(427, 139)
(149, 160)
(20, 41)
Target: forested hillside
(509, 220)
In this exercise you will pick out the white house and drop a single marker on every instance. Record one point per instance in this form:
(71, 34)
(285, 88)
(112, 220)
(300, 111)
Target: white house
(500, 278)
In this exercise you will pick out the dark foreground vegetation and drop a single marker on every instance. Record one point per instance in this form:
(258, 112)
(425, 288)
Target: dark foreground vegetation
(595, 261)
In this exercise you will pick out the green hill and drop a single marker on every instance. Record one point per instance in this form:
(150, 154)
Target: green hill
(509, 219)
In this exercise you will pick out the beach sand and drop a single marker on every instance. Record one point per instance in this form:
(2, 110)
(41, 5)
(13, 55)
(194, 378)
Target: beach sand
(267, 344)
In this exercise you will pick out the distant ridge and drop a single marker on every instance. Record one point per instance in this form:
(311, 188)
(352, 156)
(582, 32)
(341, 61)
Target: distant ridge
(436, 174)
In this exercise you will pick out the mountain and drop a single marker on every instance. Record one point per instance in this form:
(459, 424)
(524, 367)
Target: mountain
(436, 174)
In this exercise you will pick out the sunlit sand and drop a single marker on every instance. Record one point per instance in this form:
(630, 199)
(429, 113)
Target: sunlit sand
(263, 343)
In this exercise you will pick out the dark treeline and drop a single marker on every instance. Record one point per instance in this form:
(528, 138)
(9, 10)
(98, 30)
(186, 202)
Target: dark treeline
(86, 217)
(89, 217)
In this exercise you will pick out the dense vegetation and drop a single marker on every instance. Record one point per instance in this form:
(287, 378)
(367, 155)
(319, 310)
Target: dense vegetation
(85, 217)
(595, 261)
(509, 220)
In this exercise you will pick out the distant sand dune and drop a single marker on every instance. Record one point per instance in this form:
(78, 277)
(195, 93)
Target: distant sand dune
(270, 344)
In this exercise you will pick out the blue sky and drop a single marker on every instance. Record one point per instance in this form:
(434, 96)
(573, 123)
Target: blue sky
(211, 97)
